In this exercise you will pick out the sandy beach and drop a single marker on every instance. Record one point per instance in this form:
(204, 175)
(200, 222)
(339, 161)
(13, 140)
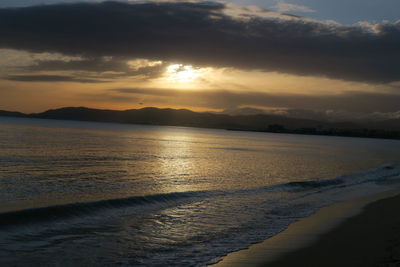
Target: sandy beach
(364, 232)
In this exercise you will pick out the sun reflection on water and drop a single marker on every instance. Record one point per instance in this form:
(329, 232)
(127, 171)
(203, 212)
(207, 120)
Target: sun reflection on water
(177, 162)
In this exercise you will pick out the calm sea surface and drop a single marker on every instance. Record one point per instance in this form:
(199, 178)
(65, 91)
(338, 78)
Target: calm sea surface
(82, 193)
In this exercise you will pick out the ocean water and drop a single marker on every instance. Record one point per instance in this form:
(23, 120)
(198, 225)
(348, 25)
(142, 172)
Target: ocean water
(103, 194)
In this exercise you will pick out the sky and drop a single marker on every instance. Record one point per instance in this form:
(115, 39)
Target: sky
(310, 58)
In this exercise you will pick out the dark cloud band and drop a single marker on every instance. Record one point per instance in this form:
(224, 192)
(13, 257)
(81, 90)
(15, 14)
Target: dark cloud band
(201, 33)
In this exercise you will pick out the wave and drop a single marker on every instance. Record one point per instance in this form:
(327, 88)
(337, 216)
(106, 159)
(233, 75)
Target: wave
(380, 176)
(58, 212)
(389, 174)
(316, 183)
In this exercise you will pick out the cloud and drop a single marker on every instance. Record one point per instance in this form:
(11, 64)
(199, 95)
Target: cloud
(11, 59)
(49, 78)
(203, 34)
(103, 67)
(282, 6)
(358, 102)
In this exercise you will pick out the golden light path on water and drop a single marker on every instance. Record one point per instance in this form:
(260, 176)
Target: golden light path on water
(176, 161)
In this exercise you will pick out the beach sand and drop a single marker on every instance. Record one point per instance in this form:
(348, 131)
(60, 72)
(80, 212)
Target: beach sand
(364, 232)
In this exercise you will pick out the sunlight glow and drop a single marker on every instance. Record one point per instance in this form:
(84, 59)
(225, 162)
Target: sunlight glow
(182, 73)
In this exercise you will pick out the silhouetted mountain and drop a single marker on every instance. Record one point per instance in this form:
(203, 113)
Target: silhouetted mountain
(12, 114)
(184, 117)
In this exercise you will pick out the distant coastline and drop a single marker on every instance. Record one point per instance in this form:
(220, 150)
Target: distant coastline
(389, 129)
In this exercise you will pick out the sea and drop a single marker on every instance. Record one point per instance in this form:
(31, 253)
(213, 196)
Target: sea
(106, 194)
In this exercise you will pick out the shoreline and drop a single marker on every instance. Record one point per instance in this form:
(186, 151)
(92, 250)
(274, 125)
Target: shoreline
(355, 131)
(358, 232)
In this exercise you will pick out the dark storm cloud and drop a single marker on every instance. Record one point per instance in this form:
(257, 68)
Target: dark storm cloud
(349, 101)
(201, 33)
(49, 78)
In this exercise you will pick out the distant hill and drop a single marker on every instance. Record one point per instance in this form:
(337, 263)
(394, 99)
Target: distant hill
(252, 122)
(184, 117)
(12, 114)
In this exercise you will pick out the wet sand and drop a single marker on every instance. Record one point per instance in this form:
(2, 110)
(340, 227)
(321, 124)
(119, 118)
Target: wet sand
(364, 232)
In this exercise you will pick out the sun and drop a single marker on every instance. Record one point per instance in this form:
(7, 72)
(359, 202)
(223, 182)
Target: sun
(182, 76)
(182, 73)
